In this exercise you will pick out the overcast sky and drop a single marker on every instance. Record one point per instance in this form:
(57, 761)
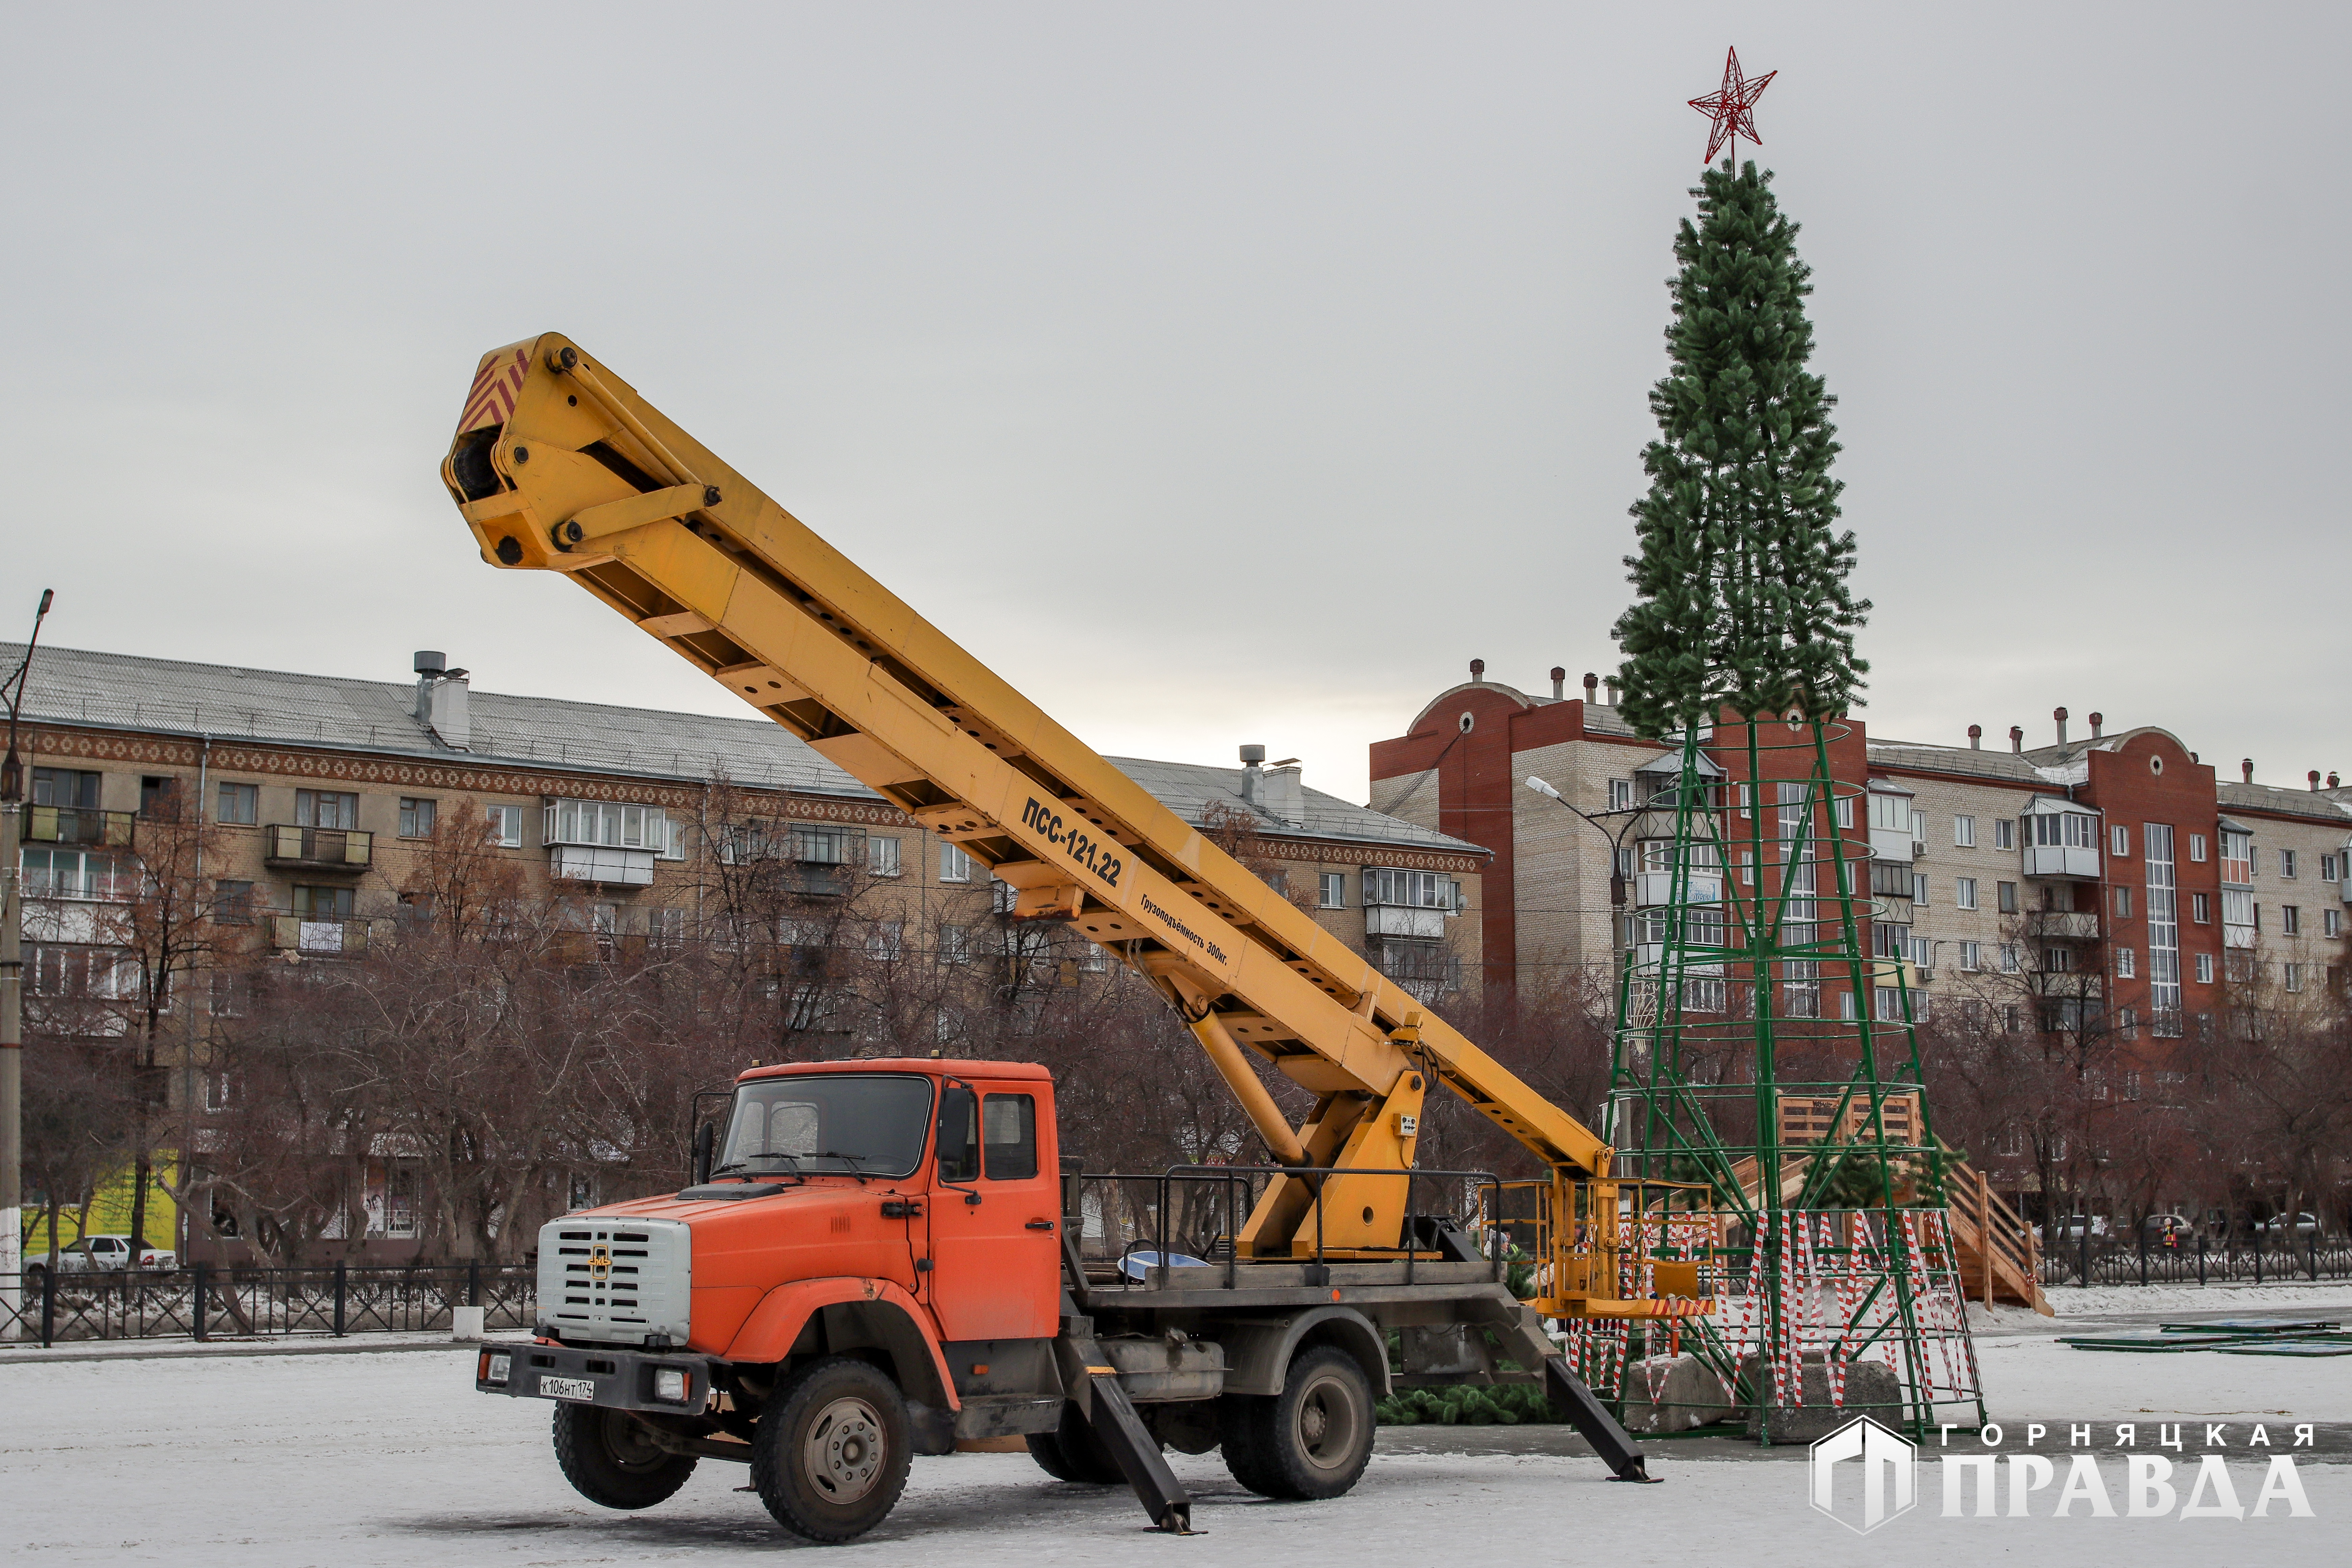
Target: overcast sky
(1216, 373)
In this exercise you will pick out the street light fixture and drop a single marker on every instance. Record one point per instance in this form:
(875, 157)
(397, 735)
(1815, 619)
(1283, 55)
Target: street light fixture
(12, 993)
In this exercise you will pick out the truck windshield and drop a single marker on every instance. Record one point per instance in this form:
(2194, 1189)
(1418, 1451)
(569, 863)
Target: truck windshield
(869, 1124)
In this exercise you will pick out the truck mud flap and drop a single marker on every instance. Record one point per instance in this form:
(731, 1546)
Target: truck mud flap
(1591, 1419)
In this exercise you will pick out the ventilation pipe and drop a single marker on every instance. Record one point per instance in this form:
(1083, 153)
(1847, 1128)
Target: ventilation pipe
(2315, 781)
(2060, 715)
(1592, 689)
(1285, 796)
(1478, 669)
(1612, 684)
(2017, 739)
(2331, 781)
(1254, 774)
(1975, 737)
(1558, 683)
(442, 700)
(2099, 725)
(2246, 770)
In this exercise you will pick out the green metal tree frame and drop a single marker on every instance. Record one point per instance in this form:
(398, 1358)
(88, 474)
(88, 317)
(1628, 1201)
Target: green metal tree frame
(1721, 983)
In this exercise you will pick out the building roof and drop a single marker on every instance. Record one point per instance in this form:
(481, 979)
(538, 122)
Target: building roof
(2317, 805)
(165, 696)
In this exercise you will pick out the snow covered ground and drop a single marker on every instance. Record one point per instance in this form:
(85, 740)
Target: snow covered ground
(392, 1458)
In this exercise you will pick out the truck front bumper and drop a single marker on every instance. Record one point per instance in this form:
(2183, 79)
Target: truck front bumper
(616, 1379)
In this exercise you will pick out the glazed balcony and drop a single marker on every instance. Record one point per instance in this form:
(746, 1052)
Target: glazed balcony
(76, 825)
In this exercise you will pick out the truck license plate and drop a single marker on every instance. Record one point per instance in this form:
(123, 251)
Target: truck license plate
(567, 1388)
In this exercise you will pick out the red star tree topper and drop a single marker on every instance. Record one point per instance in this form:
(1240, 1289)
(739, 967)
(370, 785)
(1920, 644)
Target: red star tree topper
(1728, 107)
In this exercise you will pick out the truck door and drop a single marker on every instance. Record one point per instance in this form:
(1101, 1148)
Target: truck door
(995, 1213)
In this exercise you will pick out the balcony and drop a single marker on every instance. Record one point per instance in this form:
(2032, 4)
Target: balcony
(607, 867)
(1396, 919)
(72, 825)
(2237, 936)
(287, 848)
(2061, 925)
(327, 938)
(1653, 889)
(2072, 861)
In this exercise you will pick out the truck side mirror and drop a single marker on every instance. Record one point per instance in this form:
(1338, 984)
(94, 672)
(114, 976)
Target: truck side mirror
(706, 1137)
(958, 1137)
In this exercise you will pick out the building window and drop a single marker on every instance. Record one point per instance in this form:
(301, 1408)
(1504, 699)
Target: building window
(2122, 903)
(1747, 796)
(2204, 969)
(2286, 862)
(502, 826)
(2009, 962)
(955, 866)
(2201, 908)
(2331, 923)
(2163, 923)
(415, 817)
(2237, 858)
(68, 787)
(955, 944)
(1964, 892)
(1846, 811)
(76, 874)
(2328, 868)
(2057, 961)
(2127, 1023)
(239, 804)
(322, 903)
(2197, 846)
(159, 798)
(2290, 920)
(882, 857)
(1971, 957)
(1920, 888)
(1964, 832)
(2004, 834)
(2125, 964)
(2291, 977)
(1886, 1004)
(1332, 890)
(326, 808)
(886, 941)
(232, 903)
(1748, 868)
(1621, 795)
(2119, 840)
(2007, 900)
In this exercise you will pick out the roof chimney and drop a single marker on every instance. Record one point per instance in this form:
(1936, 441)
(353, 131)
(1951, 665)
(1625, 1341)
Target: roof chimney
(1254, 774)
(1591, 687)
(1975, 737)
(2059, 714)
(2097, 722)
(448, 716)
(1285, 797)
(2246, 770)
(2016, 737)
(1612, 684)
(1478, 669)
(2331, 781)
(2315, 781)
(1558, 683)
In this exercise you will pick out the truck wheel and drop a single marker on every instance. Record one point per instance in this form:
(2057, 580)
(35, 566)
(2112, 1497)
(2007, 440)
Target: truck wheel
(1312, 1439)
(612, 1461)
(1072, 1452)
(831, 1452)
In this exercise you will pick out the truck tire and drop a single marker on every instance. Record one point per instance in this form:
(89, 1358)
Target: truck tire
(1072, 1452)
(831, 1453)
(1310, 1441)
(612, 1460)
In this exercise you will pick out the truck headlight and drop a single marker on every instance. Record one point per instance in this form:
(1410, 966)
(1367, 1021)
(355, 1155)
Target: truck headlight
(669, 1383)
(496, 1365)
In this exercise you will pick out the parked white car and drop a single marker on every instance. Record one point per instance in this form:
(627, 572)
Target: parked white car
(99, 1254)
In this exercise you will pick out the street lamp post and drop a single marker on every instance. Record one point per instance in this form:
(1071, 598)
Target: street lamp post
(12, 1002)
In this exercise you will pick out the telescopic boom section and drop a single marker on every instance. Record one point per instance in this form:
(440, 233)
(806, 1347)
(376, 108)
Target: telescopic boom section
(559, 465)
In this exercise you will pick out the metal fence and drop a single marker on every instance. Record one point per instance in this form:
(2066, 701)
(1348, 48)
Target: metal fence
(2194, 1260)
(207, 1302)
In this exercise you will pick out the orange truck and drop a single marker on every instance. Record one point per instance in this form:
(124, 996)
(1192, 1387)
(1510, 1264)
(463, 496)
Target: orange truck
(884, 1257)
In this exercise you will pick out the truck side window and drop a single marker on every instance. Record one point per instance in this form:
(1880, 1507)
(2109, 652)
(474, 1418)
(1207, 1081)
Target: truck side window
(1008, 1136)
(958, 1135)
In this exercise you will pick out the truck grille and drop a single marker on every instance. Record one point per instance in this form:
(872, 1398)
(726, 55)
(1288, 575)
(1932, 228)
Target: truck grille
(615, 1281)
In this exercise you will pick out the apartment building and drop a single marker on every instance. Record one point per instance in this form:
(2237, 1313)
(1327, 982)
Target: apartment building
(304, 806)
(2106, 878)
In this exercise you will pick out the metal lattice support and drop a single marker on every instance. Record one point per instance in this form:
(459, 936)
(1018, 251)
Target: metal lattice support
(1766, 1048)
